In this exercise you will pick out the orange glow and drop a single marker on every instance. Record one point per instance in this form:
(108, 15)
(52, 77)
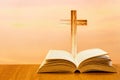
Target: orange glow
(29, 28)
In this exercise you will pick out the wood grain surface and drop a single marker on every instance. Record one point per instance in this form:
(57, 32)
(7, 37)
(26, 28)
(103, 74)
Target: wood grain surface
(28, 72)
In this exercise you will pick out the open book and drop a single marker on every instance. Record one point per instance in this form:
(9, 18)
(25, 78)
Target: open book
(85, 61)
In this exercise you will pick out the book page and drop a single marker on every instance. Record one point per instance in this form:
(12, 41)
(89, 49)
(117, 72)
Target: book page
(83, 55)
(60, 54)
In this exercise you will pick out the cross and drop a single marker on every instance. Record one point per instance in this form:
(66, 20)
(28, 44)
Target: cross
(74, 23)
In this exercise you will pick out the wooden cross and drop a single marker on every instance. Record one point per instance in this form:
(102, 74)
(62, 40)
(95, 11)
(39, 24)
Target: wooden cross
(74, 23)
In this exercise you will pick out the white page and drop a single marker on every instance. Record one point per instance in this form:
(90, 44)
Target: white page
(83, 55)
(106, 57)
(60, 54)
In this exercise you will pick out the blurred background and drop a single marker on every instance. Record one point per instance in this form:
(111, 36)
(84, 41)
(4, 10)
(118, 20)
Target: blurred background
(30, 28)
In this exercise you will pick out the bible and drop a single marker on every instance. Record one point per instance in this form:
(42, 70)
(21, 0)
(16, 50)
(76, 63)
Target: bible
(85, 61)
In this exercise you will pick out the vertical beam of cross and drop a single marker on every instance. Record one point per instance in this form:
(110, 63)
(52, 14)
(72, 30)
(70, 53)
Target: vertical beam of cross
(74, 32)
(74, 23)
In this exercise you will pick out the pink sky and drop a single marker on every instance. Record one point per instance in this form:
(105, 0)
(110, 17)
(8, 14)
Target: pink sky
(29, 28)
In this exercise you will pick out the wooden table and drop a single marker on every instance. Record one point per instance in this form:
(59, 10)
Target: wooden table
(28, 72)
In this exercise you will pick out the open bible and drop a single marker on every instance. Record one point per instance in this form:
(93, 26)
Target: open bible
(85, 61)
